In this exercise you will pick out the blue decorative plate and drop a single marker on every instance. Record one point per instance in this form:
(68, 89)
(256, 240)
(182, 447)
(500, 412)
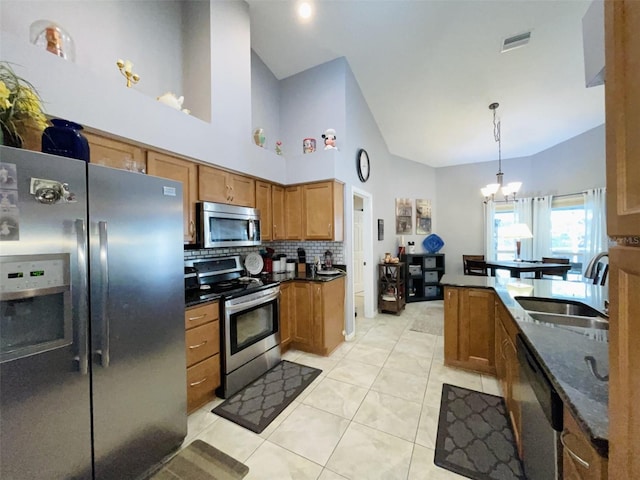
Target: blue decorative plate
(433, 243)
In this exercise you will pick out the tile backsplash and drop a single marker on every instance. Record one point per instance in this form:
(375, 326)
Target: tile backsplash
(289, 248)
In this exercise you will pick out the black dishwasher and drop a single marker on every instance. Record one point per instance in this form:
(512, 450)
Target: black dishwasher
(541, 421)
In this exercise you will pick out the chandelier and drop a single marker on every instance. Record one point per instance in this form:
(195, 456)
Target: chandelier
(510, 189)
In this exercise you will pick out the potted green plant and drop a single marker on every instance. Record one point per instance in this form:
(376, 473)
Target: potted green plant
(20, 107)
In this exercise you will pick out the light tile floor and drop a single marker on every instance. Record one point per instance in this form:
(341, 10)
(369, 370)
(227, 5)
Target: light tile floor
(371, 414)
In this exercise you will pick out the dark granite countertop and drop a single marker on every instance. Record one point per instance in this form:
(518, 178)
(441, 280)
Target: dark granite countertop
(200, 297)
(561, 351)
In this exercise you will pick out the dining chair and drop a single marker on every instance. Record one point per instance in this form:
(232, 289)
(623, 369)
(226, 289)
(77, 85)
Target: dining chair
(554, 260)
(474, 265)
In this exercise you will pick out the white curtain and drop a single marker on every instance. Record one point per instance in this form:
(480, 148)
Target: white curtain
(595, 235)
(523, 214)
(542, 227)
(489, 230)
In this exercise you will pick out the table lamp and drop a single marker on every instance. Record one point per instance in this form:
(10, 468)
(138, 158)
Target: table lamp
(518, 231)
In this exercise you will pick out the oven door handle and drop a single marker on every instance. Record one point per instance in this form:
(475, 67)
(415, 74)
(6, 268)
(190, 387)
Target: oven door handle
(230, 309)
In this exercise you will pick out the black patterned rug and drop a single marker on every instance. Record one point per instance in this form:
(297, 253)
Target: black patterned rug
(256, 405)
(475, 437)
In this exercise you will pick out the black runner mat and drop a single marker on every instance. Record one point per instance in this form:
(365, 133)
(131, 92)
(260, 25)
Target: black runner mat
(256, 405)
(475, 437)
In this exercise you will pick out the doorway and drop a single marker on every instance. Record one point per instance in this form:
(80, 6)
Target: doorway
(362, 254)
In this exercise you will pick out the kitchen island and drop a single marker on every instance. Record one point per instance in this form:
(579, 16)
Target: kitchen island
(560, 351)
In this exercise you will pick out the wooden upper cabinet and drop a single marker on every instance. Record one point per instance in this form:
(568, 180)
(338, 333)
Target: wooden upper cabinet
(323, 207)
(278, 230)
(293, 212)
(166, 166)
(114, 153)
(622, 99)
(263, 203)
(220, 186)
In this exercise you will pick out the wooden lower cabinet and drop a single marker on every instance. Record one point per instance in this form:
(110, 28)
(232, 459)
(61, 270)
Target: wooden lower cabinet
(317, 315)
(580, 461)
(469, 329)
(286, 311)
(507, 369)
(202, 335)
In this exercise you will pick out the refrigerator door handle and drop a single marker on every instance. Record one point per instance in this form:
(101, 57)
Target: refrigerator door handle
(104, 294)
(83, 317)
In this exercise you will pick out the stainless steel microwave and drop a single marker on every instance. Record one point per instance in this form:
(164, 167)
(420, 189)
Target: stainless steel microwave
(221, 225)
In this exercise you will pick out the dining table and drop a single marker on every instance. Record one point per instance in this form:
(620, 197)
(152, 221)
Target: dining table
(516, 268)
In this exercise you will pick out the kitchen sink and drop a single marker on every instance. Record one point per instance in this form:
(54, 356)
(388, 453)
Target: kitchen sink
(597, 323)
(558, 307)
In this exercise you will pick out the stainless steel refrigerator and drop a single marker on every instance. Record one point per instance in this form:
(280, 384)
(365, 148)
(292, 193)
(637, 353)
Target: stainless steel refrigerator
(92, 349)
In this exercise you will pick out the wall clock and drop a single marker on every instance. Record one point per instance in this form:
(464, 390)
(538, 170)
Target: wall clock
(362, 165)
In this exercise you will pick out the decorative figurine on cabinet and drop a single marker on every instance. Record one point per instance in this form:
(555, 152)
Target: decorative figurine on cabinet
(329, 136)
(259, 137)
(172, 100)
(308, 145)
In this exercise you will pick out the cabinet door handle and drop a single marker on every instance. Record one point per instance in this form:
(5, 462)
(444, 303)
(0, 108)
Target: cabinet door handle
(570, 452)
(329, 230)
(191, 319)
(192, 228)
(195, 384)
(193, 347)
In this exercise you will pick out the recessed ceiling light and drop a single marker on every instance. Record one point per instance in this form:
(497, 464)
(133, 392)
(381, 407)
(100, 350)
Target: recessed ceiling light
(304, 10)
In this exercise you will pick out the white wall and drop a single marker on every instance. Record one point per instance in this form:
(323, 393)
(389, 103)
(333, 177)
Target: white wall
(569, 167)
(100, 100)
(311, 102)
(265, 102)
(105, 31)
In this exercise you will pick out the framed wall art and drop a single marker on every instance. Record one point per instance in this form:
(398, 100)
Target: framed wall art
(423, 217)
(404, 216)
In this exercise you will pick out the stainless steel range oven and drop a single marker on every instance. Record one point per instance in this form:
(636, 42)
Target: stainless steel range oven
(250, 319)
(251, 338)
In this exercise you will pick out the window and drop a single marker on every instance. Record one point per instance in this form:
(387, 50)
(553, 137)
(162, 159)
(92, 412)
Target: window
(504, 216)
(568, 230)
(567, 235)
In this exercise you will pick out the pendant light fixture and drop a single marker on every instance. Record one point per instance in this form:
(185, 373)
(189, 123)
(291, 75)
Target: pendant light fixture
(509, 190)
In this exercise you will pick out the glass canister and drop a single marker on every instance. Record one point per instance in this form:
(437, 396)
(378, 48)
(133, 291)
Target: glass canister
(65, 139)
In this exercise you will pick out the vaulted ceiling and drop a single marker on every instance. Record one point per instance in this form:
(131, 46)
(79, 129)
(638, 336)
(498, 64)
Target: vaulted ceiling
(429, 69)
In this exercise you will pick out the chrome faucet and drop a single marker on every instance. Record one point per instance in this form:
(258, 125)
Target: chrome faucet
(591, 271)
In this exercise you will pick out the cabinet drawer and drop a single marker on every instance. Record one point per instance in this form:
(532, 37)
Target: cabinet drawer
(202, 379)
(202, 342)
(201, 314)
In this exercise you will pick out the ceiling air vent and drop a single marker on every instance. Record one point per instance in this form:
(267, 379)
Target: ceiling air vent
(516, 41)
